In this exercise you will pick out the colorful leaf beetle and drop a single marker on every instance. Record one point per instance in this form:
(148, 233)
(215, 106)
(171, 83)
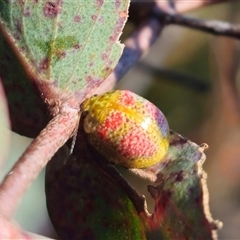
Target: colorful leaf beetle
(126, 128)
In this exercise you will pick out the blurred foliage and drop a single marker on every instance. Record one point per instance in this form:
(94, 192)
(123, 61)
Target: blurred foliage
(189, 111)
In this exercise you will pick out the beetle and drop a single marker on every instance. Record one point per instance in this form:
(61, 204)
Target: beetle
(126, 128)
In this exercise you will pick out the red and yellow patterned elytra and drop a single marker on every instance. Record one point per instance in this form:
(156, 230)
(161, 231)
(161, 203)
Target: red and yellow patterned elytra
(126, 128)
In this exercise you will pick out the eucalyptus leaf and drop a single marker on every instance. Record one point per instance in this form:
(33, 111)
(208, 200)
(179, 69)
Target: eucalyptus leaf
(51, 51)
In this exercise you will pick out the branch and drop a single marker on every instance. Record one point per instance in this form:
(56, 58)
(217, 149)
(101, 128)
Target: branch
(35, 158)
(145, 36)
(212, 26)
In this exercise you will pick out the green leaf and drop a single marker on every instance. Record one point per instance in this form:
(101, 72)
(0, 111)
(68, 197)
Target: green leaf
(55, 50)
(72, 44)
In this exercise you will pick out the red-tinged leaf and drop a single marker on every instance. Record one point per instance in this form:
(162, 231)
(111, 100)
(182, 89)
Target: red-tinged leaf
(181, 196)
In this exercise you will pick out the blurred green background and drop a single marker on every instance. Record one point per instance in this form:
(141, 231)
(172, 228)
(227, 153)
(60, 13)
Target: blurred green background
(193, 78)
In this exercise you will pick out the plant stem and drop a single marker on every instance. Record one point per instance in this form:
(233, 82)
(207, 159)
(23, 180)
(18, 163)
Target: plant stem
(34, 159)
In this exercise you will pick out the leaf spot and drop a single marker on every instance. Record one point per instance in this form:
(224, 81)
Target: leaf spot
(77, 19)
(94, 17)
(123, 14)
(179, 176)
(117, 3)
(26, 12)
(76, 46)
(104, 56)
(51, 9)
(99, 3)
(19, 26)
(44, 64)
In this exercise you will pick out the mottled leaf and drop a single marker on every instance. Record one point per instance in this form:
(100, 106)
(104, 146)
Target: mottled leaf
(73, 44)
(181, 196)
(56, 50)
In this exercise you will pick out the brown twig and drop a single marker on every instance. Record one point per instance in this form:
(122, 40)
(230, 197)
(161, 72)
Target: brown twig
(213, 27)
(35, 158)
